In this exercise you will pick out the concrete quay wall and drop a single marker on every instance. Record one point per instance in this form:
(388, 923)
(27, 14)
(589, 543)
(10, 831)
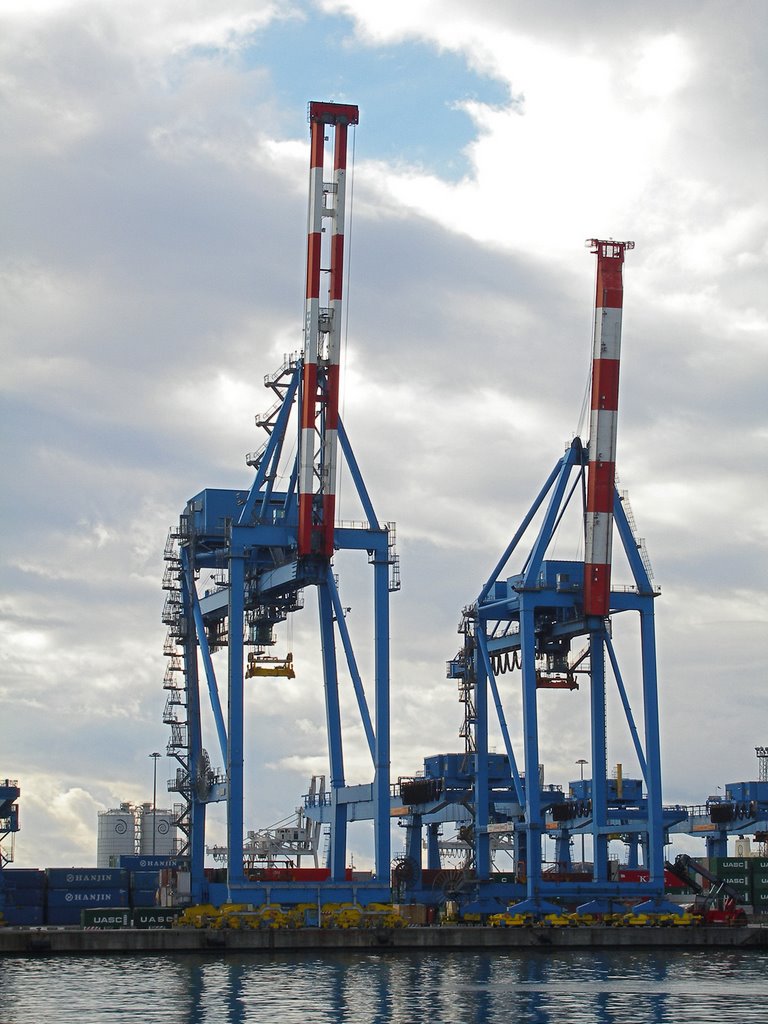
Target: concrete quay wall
(60, 941)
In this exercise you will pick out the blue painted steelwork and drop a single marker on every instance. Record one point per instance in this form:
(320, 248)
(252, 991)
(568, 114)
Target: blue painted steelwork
(9, 816)
(264, 547)
(260, 583)
(259, 579)
(534, 616)
(741, 809)
(529, 621)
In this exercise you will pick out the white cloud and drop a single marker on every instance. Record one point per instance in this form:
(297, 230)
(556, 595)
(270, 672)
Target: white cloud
(152, 274)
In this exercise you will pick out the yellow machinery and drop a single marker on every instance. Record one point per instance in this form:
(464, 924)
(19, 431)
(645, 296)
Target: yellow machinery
(264, 665)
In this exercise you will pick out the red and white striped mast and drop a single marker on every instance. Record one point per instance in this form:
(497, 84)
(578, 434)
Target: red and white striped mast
(322, 333)
(609, 299)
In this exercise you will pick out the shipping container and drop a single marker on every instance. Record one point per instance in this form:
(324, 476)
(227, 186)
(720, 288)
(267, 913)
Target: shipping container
(741, 886)
(22, 878)
(24, 897)
(143, 897)
(23, 917)
(672, 884)
(150, 863)
(154, 917)
(145, 879)
(87, 878)
(729, 865)
(63, 916)
(289, 874)
(81, 898)
(90, 918)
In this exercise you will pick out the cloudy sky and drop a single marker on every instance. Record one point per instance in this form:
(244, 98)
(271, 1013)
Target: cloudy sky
(154, 166)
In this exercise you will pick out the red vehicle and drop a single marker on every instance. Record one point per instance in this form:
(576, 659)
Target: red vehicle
(716, 905)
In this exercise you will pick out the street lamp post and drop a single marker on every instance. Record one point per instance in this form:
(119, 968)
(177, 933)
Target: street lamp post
(154, 757)
(581, 762)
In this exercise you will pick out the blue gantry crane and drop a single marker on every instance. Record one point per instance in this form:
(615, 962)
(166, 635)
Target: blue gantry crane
(527, 624)
(264, 546)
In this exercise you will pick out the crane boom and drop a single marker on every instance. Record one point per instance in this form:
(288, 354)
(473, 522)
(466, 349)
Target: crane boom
(609, 299)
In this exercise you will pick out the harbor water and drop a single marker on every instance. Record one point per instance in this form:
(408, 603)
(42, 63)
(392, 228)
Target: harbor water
(593, 987)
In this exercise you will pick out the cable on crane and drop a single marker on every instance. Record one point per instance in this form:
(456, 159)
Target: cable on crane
(501, 663)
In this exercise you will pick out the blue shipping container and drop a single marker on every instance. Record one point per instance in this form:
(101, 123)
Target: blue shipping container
(81, 898)
(63, 915)
(145, 879)
(22, 878)
(143, 897)
(24, 897)
(24, 917)
(87, 878)
(134, 862)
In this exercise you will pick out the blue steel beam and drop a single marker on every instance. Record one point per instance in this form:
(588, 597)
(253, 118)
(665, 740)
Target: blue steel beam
(630, 546)
(627, 708)
(512, 546)
(533, 817)
(335, 742)
(599, 755)
(571, 458)
(482, 804)
(652, 743)
(205, 651)
(357, 682)
(482, 645)
(235, 746)
(264, 480)
(197, 810)
(382, 802)
(357, 476)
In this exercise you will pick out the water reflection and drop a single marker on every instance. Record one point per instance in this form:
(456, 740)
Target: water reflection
(595, 987)
(552, 987)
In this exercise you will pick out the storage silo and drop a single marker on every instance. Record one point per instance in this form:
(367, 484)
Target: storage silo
(116, 836)
(157, 825)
